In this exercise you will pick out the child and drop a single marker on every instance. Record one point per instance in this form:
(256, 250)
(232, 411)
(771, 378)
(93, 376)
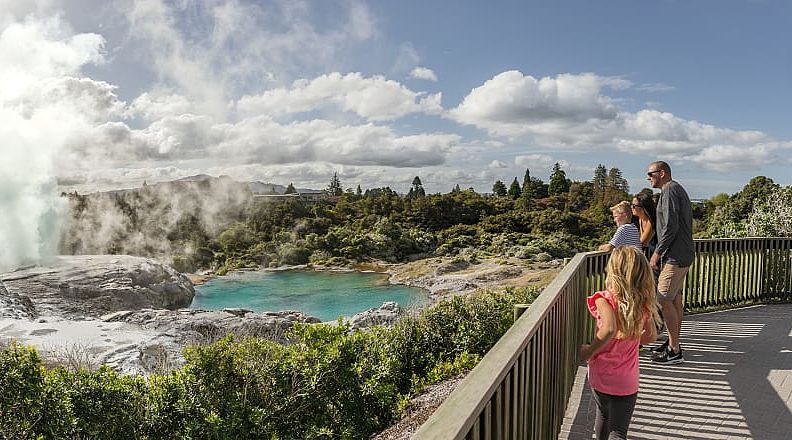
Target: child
(626, 314)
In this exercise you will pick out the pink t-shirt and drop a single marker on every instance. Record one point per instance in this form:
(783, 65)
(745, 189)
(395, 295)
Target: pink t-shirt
(614, 368)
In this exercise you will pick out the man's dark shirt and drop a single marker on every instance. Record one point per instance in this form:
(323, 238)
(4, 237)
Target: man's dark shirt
(675, 225)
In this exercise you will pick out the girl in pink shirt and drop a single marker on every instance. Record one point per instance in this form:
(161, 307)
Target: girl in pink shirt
(626, 314)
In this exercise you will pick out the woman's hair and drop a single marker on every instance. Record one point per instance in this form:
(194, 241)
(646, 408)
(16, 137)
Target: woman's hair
(646, 202)
(633, 285)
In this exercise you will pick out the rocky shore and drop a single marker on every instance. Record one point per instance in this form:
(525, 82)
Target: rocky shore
(129, 313)
(448, 276)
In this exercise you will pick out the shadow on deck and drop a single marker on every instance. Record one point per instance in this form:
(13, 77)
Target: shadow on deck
(736, 382)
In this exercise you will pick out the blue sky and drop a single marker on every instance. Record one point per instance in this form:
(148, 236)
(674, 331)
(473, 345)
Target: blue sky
(454, 92)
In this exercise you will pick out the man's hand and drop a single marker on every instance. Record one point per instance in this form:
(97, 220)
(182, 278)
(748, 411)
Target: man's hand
(655, 261)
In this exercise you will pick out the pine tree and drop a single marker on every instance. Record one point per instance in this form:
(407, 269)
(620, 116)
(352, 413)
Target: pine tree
(359, 191)
(499, 189)
(514, 189)
(290, 189)
(456, 189)
(417, 189)
(600, 180)
(335, 188)
(558, 181)
(616, 181)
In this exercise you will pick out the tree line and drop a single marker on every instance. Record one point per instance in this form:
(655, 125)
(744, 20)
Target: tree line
(532, 220)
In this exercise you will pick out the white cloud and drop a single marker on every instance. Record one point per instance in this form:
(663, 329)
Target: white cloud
(152, 105)
(655, 87)
(571, 111)
(537, 161)
(35, 50)
(406, 58)
(513, 104)
(374, 98)
(210, 51)
(423, 73)
(495, 164)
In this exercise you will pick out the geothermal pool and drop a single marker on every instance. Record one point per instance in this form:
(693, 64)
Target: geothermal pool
(326, 295)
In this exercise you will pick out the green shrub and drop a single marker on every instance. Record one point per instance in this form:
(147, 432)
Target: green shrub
(329, 382)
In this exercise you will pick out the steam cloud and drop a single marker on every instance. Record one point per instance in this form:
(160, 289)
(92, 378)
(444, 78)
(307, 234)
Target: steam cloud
(36, 122)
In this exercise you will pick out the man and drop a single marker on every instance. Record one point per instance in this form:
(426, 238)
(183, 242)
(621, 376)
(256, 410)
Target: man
(673, 255)
(626, 233)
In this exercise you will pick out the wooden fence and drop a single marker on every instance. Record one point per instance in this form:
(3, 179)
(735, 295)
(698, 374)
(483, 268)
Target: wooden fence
(520, 389)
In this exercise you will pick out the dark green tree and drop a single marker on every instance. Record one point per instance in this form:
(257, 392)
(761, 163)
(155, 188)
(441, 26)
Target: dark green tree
(616, 181)
(290, 189)
(514, 189)
(456, 189)
(558, 181)
(359, 191)
(335, 188)
(600, 180)
(417, 189)
(499, 189)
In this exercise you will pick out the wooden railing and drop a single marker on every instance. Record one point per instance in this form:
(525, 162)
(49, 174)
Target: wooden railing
(520, 389)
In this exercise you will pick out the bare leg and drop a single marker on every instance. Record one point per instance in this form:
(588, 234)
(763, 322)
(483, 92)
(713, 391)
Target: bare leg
(680, 313)
(673, 323)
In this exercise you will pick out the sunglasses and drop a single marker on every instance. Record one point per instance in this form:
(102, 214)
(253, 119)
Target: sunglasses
(651, 173)
(635, 205)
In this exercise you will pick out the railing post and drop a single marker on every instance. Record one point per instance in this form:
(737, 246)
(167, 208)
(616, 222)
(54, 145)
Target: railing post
(519, 309)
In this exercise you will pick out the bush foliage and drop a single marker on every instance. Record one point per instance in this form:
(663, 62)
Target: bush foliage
(329, 383)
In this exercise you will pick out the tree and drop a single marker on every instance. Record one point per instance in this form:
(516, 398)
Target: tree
(772, 217)
(290, 189)
(616, 181)
(359, 191)
(600, 180)
(335, 188)
(499, 189)
(417, 189)
(456, 189)
(558, 181)
(532, 189)
(514, 189)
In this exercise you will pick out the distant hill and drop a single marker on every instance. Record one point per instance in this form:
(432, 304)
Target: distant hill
(266, 188)
(205, 181)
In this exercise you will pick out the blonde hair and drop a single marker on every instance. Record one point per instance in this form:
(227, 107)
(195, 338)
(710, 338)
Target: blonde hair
(623, 206)
(632, 284)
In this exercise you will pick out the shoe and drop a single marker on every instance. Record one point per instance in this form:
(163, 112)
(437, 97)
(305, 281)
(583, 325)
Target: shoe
(668, 357)
(661, 348)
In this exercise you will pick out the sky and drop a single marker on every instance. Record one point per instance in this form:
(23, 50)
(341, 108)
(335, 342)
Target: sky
(104, 94)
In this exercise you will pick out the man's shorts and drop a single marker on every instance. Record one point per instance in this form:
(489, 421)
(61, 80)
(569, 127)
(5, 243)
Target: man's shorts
(671, 281)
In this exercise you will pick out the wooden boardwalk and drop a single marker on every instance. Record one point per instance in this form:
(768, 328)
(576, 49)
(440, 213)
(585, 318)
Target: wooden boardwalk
(736, 382)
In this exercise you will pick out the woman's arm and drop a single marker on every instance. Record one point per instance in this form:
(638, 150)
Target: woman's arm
(605, 332)
(647, 233)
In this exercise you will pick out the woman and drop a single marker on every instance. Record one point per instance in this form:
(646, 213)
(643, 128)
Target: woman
(643, 208)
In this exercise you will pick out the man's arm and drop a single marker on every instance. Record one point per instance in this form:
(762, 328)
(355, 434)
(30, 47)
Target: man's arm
(668, 234)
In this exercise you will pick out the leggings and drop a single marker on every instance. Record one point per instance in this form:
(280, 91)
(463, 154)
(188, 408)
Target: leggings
(613, 415)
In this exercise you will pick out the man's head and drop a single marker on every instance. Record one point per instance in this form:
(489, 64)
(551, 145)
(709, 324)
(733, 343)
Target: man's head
(622, 214)
(658, 174)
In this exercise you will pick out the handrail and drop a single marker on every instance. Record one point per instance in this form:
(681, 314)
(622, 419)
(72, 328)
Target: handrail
(519, 390)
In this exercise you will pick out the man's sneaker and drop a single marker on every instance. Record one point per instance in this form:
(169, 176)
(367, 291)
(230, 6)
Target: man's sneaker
(661, 348)
(668, 357)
